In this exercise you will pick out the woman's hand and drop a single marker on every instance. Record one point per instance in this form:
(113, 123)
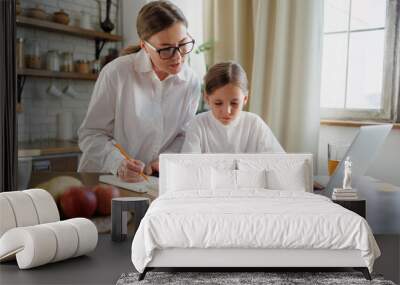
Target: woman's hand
(129, 170)
(152, 167)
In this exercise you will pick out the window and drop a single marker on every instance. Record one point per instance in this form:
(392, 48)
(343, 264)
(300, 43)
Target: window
(357, 64)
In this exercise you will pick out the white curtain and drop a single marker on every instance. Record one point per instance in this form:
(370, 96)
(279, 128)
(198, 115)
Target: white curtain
(228, 23)
(279, 43)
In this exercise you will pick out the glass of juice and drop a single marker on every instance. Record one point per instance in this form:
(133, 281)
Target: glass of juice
(336, 151)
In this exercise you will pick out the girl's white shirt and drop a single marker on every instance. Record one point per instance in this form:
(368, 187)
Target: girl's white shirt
(248, 133)
(132, 107)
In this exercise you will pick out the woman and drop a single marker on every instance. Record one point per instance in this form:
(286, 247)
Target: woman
(226, 128)
(142, 100)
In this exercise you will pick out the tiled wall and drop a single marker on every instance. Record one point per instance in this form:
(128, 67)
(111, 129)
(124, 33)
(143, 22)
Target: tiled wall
(40, 109)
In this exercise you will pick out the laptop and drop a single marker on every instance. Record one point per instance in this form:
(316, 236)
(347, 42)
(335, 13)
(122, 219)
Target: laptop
(362, 152)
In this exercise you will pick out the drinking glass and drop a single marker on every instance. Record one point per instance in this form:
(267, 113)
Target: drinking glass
(336, 152)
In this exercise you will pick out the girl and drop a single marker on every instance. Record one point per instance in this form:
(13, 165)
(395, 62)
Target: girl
(226, 128)
(142, 100)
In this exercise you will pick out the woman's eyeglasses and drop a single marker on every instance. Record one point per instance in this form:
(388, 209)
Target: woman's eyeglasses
(169, 52)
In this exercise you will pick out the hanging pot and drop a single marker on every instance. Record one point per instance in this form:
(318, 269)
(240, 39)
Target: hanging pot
(107, 26)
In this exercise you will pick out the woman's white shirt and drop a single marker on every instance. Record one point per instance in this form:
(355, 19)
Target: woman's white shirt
(248, 133)
(132, 107)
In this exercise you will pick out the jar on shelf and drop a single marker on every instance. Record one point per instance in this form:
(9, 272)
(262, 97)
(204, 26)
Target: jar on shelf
(33, 58)
(18, 8)
(67, 62)
(52, 61)
(20, 53)
(61, 17)
(82, 66)
(85, 22)
(95, 66)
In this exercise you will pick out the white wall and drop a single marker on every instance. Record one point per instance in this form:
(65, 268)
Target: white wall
(386, 166)
(193, 11)
(129, 11)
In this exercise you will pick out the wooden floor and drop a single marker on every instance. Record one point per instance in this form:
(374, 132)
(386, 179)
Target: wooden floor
(110, 260)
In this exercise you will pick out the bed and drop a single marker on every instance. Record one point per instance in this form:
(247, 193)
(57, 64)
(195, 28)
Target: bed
(245, 211)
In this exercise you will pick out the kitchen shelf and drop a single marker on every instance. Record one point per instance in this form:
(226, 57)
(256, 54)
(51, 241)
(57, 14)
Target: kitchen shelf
(47, 147)
(55, 74)
(71, 30)
(100, 39)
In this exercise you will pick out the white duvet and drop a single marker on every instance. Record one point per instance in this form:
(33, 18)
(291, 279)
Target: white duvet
(252, 218)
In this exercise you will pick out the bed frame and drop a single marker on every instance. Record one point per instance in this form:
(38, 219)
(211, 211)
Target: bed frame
(245, 259)
(249, 259)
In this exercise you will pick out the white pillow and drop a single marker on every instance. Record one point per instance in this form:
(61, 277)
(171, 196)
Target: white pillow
(223, 179)
(184, 177)
(228, 179)
(251, 178)
(293, 178)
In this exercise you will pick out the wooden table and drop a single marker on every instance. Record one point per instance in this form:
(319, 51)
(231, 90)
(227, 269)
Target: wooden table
(87, 179)
(103, 223)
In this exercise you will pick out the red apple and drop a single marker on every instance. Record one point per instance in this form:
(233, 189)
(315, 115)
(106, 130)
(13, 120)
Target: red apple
(104, 194)
(78, 202)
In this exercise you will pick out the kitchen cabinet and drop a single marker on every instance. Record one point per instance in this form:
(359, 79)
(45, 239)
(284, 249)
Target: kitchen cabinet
(29, 165)
(58, 162)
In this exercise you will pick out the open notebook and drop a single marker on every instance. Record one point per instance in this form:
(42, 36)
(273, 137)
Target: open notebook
(141, 187)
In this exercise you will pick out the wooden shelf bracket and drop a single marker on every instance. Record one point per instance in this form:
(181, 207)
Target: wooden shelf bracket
(20, 86)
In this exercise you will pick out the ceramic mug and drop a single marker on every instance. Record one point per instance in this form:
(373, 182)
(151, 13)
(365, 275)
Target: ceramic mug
(53, 90)
(70, 91)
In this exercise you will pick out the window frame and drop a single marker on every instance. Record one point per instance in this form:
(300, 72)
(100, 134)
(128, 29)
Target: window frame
(391, 73)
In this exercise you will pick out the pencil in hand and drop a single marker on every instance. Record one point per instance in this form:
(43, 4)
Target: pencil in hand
(126, 155)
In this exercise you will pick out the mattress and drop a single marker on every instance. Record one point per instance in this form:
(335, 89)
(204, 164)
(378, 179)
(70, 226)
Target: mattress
(250, 219)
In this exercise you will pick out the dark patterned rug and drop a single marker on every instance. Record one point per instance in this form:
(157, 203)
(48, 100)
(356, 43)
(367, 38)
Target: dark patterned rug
(273, 278)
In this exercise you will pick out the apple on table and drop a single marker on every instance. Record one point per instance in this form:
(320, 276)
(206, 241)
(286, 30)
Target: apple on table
(83, 201)
(104, 194)
(78, 201)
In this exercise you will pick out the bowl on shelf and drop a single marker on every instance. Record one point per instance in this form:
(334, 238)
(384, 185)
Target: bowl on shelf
(33, 61)
(37, 13)
(61, 17)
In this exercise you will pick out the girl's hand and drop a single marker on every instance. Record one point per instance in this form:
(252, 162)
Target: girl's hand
(152, 167)
(129, 170)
